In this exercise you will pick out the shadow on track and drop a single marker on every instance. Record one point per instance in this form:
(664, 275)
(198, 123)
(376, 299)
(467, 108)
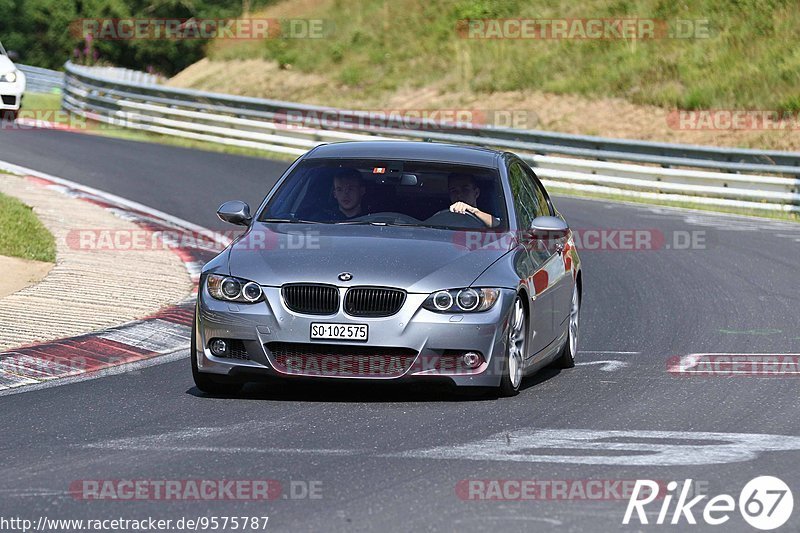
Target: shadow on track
(306, 390)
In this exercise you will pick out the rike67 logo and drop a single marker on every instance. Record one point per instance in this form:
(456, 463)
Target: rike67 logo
(766, 503)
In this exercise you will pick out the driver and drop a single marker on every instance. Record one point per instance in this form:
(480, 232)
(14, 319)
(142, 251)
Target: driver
(464, 194)
(348, 190)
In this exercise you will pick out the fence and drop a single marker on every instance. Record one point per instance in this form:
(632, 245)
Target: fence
(755, 179)
(42, 80)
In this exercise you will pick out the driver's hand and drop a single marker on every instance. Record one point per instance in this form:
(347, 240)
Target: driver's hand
(462, 208)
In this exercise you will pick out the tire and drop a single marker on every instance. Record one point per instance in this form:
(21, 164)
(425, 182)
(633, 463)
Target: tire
(515, 350)
(205, 382)
(9, 115)
(570, 350)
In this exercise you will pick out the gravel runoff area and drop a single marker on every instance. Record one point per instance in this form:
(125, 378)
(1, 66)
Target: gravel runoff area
(95, 283)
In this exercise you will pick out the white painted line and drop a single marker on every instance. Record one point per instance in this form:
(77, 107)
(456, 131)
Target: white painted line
(609, 351)
(625, 448)
(221, 449)
(110, 371)
(9, 380)
(155, 335)
(483, 518)
(608, 366)
(688, 362)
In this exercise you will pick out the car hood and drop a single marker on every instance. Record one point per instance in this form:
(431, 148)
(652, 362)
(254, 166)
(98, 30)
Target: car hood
(6, 65)
(416, 259)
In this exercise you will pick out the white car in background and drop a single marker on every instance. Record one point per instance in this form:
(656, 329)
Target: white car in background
(12, 85)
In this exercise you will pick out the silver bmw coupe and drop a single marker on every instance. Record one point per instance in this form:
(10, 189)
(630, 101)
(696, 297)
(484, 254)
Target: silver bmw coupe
(392, 261)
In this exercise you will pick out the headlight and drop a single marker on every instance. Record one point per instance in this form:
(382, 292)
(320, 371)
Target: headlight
(10, 77)
(462, 300)
(231, 289)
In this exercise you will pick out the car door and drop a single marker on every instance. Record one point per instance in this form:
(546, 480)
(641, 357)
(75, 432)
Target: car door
(559, 277)
(535, 258)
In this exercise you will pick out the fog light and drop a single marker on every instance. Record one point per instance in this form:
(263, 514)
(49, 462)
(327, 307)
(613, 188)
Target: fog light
(472, 360)
(218, 347)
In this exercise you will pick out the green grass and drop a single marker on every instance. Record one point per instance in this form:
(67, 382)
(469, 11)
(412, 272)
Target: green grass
(36, 103)
(750, 57)
(22, 234)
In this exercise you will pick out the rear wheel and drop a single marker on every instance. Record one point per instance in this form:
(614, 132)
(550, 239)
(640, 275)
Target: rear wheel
(570, 350)
(205, 382)
(515, 350)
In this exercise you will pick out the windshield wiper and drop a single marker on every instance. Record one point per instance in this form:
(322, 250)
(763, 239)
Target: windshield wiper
(381, 223)
(290, 221)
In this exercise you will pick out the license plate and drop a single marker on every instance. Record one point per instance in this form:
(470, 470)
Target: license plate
(345, 332)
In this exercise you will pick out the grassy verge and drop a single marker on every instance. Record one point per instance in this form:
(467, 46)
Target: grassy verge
(22, 234)
(720, 54)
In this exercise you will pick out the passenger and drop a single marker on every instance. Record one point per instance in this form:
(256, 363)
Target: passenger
(464, 194)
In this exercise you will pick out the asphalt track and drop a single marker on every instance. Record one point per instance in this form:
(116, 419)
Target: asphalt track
(392, 459)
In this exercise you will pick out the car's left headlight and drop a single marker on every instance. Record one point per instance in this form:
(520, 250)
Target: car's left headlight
(467, 300)
(9, 77)
(232, 289)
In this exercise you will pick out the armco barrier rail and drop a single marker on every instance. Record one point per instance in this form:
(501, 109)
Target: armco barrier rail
(767, 180)
(42, 80)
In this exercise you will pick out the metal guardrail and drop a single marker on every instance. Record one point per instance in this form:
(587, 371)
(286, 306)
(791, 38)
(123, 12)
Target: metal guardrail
(42, 80)
(136, 77)
(720, 176)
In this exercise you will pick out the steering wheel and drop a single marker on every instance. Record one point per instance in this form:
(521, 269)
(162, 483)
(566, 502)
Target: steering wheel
(473, 218)
(389, 217)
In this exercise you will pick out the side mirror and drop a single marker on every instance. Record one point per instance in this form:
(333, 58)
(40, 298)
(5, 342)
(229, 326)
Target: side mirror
(235, 212)
(549, 227)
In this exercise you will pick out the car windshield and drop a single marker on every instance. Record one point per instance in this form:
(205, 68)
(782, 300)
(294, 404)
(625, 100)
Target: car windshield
(406, 193)
(2, 50)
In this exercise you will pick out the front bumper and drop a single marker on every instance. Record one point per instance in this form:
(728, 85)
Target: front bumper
(429, 341)
(11, 94)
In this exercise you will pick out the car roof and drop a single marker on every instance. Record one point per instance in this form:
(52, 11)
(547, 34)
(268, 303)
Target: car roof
(408, 151)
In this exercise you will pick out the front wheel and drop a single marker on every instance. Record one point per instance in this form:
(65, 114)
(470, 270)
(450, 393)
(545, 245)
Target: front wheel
(205, 382)
(570, 350)
(515, 350)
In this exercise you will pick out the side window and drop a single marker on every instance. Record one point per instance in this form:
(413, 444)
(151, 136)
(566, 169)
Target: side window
(544, 207)
(526, 201)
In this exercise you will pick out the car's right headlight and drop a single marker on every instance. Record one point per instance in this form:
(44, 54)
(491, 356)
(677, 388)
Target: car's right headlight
(232, 289)
(467, 300)
(9, 77)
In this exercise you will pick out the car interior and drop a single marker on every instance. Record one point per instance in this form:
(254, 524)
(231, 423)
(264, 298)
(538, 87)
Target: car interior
(418, 191)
